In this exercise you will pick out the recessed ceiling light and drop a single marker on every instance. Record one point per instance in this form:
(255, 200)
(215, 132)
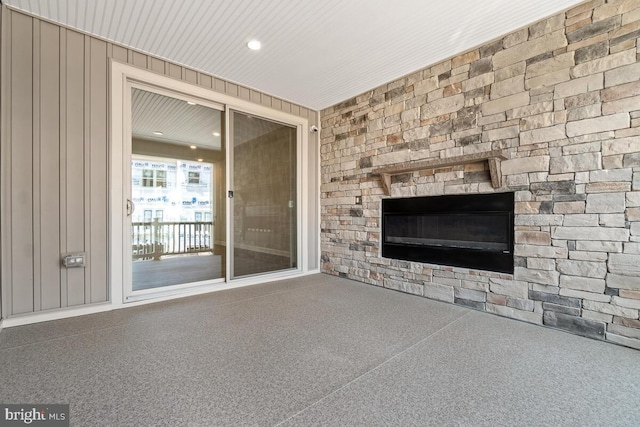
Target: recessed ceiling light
(199, 160)
(254, 44)
(191, 103)
(157, 132)
(193, 147)
(216, 134)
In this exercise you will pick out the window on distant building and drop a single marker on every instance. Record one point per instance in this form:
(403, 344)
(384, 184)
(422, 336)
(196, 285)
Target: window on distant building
(194, 177)
(154, 178)
(147, 177)
(161, 179)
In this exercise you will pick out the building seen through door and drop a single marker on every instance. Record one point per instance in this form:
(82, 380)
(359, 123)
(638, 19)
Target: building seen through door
(178, 231)
(192, 220)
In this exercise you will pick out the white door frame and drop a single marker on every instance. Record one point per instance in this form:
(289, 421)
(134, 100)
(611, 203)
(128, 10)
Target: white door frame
(123, 77)
(128, 293)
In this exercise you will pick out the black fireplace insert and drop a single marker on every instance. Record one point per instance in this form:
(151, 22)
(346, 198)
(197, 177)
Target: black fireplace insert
(471, 230)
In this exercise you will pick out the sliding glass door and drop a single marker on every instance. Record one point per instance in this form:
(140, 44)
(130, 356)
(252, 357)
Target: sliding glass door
(200, 211)
(208, 190)
(263, 196)
(177, 194)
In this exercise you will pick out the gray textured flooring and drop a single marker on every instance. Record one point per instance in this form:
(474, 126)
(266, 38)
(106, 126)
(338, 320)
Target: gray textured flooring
(167, 271)
(316, 351)
(149, 274)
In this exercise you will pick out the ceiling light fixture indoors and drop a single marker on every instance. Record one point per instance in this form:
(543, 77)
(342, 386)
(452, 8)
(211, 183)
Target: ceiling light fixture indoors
(157, 132)
(191, 103)
(254, 44)
(193, 147)
(216, 134)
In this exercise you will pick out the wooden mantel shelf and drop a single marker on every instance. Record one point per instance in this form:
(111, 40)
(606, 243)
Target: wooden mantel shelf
(492, 157)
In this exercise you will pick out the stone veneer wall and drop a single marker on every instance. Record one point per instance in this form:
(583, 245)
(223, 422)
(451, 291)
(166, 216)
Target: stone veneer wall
(562, 97)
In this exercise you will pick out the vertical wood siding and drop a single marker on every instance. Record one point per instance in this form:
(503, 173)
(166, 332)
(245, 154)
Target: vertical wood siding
(54, 158)
(48, 192)
(21, 177)
(5, 203)
(98, 149)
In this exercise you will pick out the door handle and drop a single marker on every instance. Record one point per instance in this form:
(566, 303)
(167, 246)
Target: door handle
(131, 207)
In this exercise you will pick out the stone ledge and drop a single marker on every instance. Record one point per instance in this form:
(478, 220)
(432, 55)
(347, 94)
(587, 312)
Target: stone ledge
(492, 157)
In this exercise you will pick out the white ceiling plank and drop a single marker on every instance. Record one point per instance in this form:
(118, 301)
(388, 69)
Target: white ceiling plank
(315, 54)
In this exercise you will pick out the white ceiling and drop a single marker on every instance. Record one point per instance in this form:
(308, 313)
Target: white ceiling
(179, 122)
(315, 53)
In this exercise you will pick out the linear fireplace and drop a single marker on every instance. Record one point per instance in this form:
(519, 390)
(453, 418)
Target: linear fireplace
(472, 231)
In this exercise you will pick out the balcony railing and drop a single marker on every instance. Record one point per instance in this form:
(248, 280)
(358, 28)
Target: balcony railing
(151, 240)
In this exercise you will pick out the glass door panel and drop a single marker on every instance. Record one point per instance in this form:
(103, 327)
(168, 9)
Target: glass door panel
(263, 207)
(177, 194)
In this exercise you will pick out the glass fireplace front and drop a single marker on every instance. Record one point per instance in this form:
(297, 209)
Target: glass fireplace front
(474, 231)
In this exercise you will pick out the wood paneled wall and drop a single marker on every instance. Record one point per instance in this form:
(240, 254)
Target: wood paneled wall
(55, 142)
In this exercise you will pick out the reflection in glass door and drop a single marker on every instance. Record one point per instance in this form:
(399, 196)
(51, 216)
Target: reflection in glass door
(177, 194)
(263, 207)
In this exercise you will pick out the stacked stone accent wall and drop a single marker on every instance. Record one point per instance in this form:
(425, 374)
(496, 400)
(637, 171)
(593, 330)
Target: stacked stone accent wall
(562, 98)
